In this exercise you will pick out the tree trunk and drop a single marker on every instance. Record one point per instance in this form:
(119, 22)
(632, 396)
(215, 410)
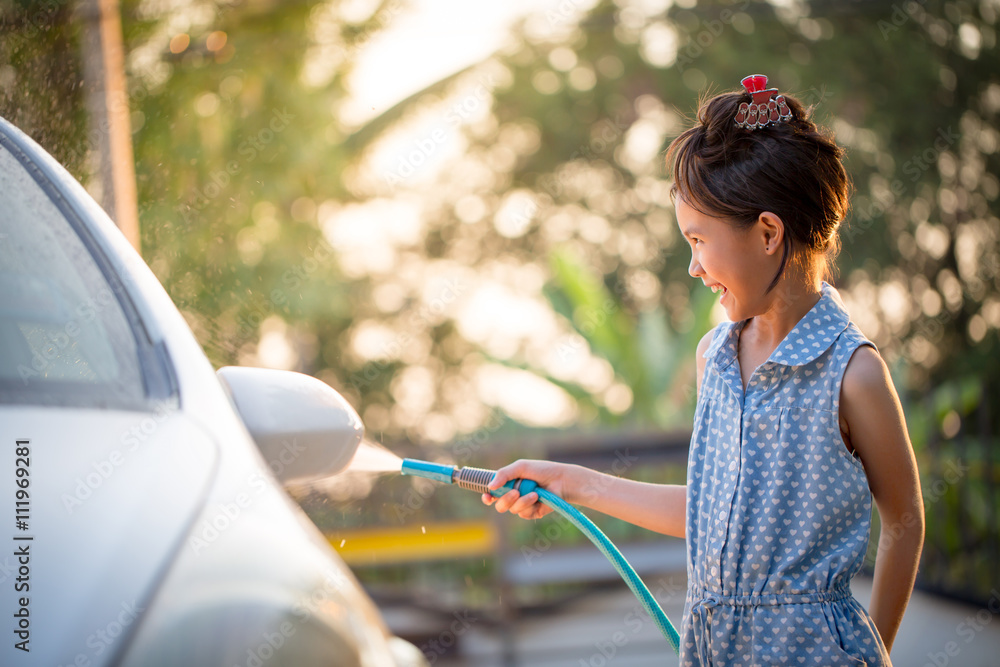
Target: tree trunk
(110, 130)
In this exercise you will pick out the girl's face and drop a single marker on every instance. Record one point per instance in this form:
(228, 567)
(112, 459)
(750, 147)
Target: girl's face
(737, 263)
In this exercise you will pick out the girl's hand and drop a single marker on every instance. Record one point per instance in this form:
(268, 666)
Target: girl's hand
(559, 478)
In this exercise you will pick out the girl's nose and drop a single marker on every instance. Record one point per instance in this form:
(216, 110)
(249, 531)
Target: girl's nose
(694, 268)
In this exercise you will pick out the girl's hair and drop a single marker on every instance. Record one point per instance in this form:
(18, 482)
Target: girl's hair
(792, 169)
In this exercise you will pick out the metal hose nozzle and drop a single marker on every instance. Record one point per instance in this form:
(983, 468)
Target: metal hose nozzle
(473, 479)
(478, 479)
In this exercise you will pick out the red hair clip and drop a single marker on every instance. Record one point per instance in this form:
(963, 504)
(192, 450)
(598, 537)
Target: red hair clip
(767, 107)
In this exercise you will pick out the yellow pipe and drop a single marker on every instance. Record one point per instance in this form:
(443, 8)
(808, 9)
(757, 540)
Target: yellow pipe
(407, 544)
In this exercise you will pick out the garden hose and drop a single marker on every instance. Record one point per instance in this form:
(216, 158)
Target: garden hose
(478, 479)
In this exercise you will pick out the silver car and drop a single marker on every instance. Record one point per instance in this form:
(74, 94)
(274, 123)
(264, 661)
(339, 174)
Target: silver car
(146, 520)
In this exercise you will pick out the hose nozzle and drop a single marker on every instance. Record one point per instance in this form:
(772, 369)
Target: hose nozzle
(473, 479)
(435, 471)
(478, 479)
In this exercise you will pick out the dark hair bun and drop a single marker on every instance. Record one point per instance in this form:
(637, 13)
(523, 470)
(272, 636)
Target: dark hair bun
(791, 168)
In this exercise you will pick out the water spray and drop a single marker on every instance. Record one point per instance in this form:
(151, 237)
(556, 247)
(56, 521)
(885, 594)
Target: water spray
(478, 479)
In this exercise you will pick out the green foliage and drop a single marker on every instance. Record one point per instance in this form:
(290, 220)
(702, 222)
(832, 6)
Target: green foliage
(229, 184)
(39, 77)
(242, 159)
(557, 192)
(646, 355)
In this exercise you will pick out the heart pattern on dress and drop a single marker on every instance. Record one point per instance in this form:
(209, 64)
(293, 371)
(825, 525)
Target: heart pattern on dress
(777, 505)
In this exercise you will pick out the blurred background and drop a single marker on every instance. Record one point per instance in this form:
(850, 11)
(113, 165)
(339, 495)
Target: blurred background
(457, 215)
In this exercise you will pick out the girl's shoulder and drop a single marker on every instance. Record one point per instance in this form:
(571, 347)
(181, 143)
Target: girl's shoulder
(708, 345)
(715, 338)
(852, 335)
(864, 368)
(853, 348)
(706, 341)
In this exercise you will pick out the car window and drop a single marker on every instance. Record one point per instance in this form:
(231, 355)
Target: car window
(64, 338)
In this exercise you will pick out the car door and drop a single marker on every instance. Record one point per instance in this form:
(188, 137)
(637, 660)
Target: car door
(101, 472)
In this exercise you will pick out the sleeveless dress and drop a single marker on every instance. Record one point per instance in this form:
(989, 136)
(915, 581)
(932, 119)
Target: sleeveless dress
(778, 511)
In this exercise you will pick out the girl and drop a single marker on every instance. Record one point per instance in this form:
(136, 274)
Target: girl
(797, 425)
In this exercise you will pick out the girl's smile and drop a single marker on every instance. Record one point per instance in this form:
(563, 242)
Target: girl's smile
(732, 262)
(717, 288)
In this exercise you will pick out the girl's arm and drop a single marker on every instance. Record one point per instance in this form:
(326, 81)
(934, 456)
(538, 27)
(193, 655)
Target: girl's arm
(875, 427)
(658, 507)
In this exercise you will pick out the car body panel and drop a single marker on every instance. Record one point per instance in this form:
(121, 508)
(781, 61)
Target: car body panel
(112, 494)
(190, 525)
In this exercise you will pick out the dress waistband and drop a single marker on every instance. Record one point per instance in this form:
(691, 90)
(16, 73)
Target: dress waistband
(704, 597)
(703, 603)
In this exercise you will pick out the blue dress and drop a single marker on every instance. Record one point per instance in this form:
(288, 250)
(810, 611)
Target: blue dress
(778, 511)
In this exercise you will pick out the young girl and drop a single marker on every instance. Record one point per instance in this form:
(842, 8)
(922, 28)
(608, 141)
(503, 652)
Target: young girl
(797, 425)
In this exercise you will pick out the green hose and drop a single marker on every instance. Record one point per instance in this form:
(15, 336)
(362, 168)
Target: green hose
(478, 479)
(611, 552)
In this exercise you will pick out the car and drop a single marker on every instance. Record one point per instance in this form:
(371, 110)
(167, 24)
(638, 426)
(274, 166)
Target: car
(147, 518)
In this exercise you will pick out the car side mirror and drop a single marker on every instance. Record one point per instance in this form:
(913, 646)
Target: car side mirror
(303, 427)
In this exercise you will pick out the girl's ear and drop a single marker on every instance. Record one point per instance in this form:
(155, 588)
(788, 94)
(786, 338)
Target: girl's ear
(772, 232)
